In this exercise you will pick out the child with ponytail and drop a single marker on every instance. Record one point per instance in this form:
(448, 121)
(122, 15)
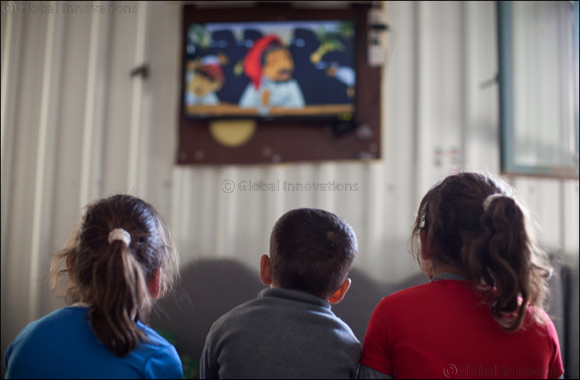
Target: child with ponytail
(119, 260)
(481, 314)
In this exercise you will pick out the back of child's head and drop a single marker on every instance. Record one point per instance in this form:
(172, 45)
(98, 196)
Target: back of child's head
(120, 245)
(476, 223)
(311, 250)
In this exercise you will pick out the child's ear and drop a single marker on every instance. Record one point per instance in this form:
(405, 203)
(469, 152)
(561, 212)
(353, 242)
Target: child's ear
(265, 271)
(69, 262)
(154, 284)
(339, 294)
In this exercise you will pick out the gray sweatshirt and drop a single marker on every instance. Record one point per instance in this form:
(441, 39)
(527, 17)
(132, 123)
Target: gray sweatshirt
(281, 334)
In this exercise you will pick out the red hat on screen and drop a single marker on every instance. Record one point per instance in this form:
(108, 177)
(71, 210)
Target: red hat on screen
(213, 71)
(253, 60)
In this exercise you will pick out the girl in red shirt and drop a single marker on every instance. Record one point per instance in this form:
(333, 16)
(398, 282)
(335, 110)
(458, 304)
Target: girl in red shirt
(481, 315)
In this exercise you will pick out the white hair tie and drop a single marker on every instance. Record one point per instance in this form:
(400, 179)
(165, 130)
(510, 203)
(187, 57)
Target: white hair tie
(489, 199)
(120, 234)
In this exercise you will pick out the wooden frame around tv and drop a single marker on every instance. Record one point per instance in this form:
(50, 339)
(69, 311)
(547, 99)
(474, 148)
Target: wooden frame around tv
(289, 140)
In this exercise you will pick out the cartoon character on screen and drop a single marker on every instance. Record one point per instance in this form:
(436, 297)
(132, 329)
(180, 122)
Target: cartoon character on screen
(203, 79)
(269, 65)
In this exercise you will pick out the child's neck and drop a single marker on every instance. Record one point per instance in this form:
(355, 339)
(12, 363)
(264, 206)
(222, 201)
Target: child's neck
(80, 304)
(447, 269)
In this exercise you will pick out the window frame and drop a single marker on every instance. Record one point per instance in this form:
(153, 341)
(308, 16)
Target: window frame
(507, 110)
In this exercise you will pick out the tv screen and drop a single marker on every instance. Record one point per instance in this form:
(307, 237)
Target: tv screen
(289, 69)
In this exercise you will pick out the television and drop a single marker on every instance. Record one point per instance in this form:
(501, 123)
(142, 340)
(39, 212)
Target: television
(270, 82)
(270, 69)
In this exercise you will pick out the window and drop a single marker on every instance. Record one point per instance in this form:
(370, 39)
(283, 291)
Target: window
(538, 64)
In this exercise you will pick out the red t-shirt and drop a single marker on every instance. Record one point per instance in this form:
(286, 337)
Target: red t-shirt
(443, 329)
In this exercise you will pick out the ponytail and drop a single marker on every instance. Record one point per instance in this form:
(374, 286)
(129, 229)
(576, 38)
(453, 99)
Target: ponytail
(119, 301)
(110, 268)
(500, 257)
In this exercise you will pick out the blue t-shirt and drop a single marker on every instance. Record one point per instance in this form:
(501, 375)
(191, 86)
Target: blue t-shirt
(63, 345)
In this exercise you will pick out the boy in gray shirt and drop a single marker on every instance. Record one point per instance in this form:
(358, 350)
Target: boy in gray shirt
(289, 331)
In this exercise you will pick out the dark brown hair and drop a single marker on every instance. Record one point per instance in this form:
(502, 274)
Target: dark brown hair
(311, 250)
(495, 247)
(112, 277)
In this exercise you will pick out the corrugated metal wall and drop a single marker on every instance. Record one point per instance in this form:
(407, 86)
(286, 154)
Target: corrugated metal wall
(76, 127)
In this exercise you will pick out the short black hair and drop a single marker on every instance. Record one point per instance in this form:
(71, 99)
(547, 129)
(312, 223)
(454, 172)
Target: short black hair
(311, 250)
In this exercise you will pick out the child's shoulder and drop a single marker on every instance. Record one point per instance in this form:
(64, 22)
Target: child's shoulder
(153, 337)
(155, 345)
(65, 315)
(53, 325)
(539, 319)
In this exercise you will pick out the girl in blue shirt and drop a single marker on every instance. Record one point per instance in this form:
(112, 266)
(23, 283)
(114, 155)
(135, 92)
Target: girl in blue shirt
(119, 260)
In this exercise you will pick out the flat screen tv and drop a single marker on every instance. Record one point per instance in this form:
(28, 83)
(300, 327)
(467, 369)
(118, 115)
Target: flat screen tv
(298, 69)
(277, 81)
